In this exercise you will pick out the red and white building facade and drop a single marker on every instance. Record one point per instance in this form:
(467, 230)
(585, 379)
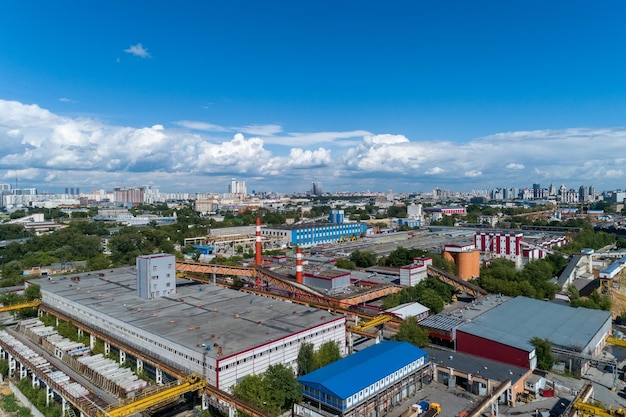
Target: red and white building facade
(499, 243)
(511, 245)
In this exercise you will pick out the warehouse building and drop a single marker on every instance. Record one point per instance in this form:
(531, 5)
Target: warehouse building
(504, 332)
(216, 332)
(367, 383)
(477, 375)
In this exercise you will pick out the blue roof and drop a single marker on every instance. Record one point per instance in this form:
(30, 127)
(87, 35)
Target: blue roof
(353, 373)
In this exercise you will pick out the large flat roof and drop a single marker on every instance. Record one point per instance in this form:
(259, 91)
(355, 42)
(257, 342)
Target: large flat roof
(515, 322)
(197, 314)
(475, 365)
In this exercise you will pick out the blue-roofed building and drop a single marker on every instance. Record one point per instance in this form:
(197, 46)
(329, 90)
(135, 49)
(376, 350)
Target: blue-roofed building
(310, 234)
(367, 382)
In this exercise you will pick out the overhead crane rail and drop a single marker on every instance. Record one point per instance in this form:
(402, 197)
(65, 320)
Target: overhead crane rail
(474, 290)
(192, 383)
(34, 303)
(221, 396)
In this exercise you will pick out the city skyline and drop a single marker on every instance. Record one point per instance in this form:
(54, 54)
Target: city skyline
(354, 96)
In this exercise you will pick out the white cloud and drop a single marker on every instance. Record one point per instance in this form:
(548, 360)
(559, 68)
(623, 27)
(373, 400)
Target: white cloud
(66, 100)
(46, 148)
(435, 171)
(473, 173)
(204, 126)
(138, 50)
(260, 130)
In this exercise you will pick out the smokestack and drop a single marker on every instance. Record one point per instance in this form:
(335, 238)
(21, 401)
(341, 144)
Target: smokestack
(259, 250)
(299, 265)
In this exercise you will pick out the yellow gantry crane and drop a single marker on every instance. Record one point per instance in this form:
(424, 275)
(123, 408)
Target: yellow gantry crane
(615, 341)
(34, 303)
(192, 383)
(378, 320)
(595, 410)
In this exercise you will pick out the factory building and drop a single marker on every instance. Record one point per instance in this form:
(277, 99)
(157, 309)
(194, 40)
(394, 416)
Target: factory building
(367, 383)
(475, 374)
(504, 332)
(216, 332)
(466, 258)
(500, 244)
(329, 280)
(413, 274)
(446, 211)
(315, 233)
(156, 275)
(337, 217)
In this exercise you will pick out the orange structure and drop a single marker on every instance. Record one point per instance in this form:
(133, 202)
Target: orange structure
(465, 257)
(258, 256)
(299, 266)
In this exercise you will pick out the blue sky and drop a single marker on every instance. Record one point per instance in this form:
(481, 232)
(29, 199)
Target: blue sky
(359, 95)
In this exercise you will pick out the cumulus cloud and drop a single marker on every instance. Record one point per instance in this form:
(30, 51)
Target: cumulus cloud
(138, 50)
(435, 171)
(38, 145)
(473, 173)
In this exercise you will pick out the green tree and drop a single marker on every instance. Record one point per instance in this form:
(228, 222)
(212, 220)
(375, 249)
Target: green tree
(363, 259)
(100, 261)
(326, 354)
(32, 292)
(274, 391)
(285, 388)
(306, 359)
(345, 264)
(545, 360)
(410, 331)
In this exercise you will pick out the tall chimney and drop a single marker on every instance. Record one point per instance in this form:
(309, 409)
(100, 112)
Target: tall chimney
(299, 265)
(259, 250)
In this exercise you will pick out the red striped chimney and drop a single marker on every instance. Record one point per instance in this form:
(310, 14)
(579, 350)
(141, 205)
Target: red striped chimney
(258, 248)
(299, 266)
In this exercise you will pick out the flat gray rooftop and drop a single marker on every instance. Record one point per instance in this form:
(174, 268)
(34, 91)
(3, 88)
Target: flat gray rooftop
(493, 370)
(515, 322)
(197, 314)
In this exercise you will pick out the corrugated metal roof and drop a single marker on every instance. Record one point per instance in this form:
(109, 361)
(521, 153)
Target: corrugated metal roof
(441, 322)
(409, 309)
(515, 322)
(353, 373)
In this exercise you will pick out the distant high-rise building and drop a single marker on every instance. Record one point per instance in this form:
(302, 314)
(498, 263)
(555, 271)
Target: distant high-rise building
(129, 195)
(316, 188)
(237, 189)
(583, 193)
(537, 191)
(552, 190)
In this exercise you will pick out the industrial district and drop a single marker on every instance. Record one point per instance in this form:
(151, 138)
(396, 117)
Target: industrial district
(198, 328)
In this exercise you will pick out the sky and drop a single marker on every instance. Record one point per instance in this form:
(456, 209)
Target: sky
(358, 95)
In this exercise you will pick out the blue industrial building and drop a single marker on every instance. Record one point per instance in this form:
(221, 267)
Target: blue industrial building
(369, 382)
(315, 233)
